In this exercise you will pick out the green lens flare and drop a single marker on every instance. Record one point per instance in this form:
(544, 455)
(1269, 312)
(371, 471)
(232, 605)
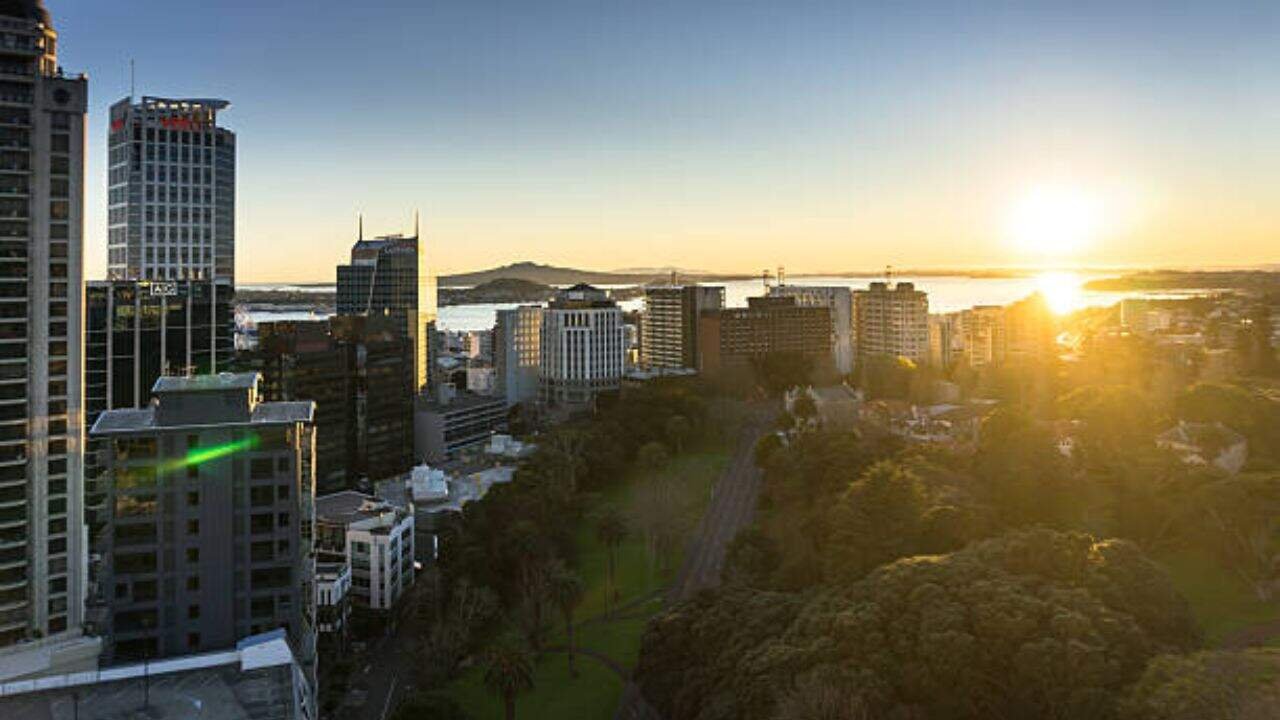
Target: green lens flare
(200, 456)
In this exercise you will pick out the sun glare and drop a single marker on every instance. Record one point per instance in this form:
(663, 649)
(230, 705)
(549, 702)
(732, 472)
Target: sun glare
(1054, 221)
(1061, 291)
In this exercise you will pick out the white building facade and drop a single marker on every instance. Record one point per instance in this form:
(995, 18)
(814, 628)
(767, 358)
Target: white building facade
(583, 347)
(891, 322)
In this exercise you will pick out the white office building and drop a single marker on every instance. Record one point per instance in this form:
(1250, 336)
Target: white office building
(171, 191)
(374, 538)
(583, 347)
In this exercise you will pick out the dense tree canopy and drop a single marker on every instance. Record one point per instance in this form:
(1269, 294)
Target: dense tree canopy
(1036, 624)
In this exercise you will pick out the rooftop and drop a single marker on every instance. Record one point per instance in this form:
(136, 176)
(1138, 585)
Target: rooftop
(349, 507)
(125, 421)
(206, 383)
(258, 680)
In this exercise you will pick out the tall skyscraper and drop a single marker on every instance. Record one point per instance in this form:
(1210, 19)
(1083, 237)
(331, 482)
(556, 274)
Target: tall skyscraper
(211, 501)
(669, 324)
(891, 322)
(517, 352)
(390, 276)
(582, 347)
(42, 547)
(171, 191)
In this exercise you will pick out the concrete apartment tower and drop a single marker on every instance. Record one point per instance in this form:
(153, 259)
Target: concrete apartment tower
(209, 540)
(171, 197)
(669, 325)
(42, 538)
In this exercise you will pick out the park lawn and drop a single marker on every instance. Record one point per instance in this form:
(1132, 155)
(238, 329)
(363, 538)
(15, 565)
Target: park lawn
(635, 576)
(1220, 601)
(593, 694)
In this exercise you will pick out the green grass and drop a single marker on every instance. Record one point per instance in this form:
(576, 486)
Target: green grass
(1220, 601)
(595, 692)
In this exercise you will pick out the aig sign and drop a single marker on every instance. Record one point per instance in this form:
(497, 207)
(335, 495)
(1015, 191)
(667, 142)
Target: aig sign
(164, 289)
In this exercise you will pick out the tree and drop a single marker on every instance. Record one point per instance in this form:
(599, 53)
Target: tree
(1020, 473)
(566, 590)
(678, 429)
(805, 409)
(611, 531)
(778, 372)
(1243, 518)
(568, 447)
(767, 448)
(653, 457)
(1034, 624)
(887, 377)
(1217, 685)
(508, 672)
(877, 520)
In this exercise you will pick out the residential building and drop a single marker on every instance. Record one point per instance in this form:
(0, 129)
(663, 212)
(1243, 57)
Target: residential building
(582, 348)
(733, 339)
(442, 428)
(260, 678)
(891, 321)
(390, 276)
(171, 191)
(374, 538)
(517, 352)
(358, 371)
(210, 497)
(983, 335)
(1030, 330)
(839, 301)
(42, 178)
(669, 324)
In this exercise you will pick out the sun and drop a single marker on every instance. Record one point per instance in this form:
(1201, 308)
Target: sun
(1054, 221)
(1061, 291)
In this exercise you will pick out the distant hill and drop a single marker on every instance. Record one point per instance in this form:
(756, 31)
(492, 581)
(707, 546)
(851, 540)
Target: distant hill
(551, 275)
(1180, 280)
(504, 290)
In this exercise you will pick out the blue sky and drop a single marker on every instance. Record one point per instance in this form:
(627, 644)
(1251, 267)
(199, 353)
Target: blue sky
(726, 135)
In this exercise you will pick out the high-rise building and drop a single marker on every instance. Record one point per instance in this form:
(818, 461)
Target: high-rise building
(582, 347)
(171, 191)
(357, 371)
(891, 322)
(669, 324)
(517, 352)
(42, 548)
(211, 501)
(983, 335)
(390, 276)
(839, 301)
(732, 340)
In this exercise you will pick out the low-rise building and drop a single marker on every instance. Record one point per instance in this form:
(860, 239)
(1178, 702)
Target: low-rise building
(258, 679)
(441, 429)
(374, 538)
(333, 603)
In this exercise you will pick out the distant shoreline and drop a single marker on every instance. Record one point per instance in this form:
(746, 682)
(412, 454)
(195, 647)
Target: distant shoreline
(1257, 280)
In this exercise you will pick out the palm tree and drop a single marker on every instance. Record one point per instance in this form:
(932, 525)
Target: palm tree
(508, 671)
(569, 446)
(677, 429)
(566, 589)
(611, 531)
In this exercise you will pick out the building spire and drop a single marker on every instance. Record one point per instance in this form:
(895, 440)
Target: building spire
(416, 222)
(360, 223)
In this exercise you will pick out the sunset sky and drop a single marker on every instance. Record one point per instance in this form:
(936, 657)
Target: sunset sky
(726, 136)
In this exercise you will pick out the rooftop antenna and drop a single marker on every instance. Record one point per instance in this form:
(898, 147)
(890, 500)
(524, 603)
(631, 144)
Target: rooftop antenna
(888, 273)
(764, 278)
(416, 222)
(673, 278)
(361, 224)
(782, 276)
(133, 81)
